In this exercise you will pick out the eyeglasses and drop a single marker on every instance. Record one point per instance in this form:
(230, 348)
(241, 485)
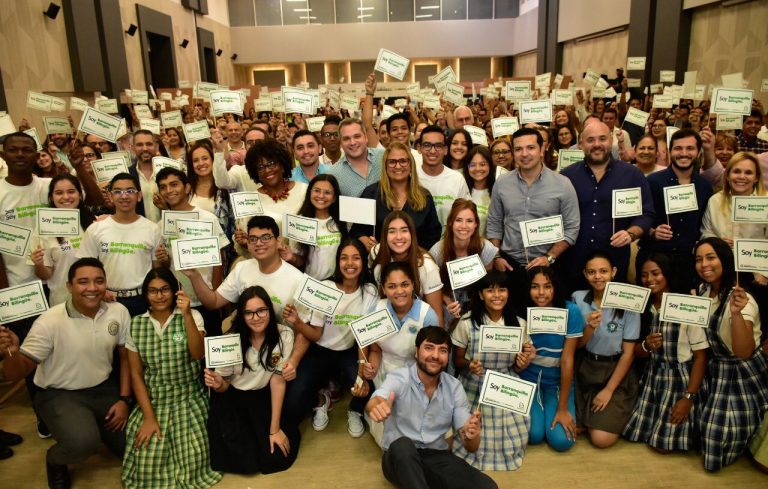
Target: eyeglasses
(89, 155)
(266, 166)
(431, 146)
(162, 291)
(398, 162)
(264, 238)
(500, 152)
(122, 192)
(329, 134)
(260, 313)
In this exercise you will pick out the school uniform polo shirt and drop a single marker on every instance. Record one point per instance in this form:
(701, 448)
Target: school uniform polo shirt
(73, 351)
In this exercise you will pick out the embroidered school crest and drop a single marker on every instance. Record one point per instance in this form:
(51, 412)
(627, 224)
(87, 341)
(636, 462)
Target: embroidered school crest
(412, 329)
(274, 360)
(178, 337)
(613, 326)
(113, 327)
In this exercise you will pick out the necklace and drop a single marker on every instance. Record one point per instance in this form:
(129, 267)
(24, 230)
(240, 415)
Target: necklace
(281, 195)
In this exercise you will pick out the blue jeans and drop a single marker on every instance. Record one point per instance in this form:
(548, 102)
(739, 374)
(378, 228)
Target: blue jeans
(543, 412)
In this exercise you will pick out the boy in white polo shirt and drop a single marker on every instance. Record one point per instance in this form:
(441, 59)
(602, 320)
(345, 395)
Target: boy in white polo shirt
(72, 345)
(445, 184)
(174, 189)
(125, 242)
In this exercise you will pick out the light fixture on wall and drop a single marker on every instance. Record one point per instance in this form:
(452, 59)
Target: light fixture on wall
(52, 11)
(184, 43)
(218, 52)
(131, 30)
(233, 57)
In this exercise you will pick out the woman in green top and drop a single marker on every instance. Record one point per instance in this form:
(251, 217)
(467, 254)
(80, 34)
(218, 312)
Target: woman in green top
(166, 439)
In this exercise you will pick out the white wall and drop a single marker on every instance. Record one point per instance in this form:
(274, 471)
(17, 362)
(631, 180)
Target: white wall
(218, 11)
(342, 42)
(579, 18)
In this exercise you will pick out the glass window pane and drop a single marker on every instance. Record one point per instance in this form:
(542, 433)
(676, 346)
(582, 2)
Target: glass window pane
(268, 12)
(347, 11)
(296, 12)
(241, 13)
(455, 9)
(374, 11)
(400, 10)
(427, 10)
(322, 10)
(507, 9)
(481, 9)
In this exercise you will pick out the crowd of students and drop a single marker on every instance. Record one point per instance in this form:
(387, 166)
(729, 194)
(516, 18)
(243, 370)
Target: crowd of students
(115, 287)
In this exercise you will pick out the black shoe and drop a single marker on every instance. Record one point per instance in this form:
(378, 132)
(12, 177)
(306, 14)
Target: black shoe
(42, 430)
(5, 452)
(58, 476)
(9, 439)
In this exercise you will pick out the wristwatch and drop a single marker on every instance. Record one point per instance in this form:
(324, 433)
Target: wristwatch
(691, 396)
(128, 400)
(632, 235)
(550, 259)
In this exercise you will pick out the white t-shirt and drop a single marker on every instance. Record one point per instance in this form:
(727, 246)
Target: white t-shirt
(205, 203)
(160, 328)
(258, 377)
(280, 285)
(482, 199)
(429, 273)
(446, 187)
(337, 335)
(487, 253)
(59, 256)
(206, 272)
(236, 178)
(74, 351)
(126, 250)
(321, 258)
(18, 206)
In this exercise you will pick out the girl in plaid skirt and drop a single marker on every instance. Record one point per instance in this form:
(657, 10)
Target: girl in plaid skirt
(738, 385)
(667, 410)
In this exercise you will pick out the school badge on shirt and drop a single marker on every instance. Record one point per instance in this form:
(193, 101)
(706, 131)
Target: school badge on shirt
(274, 360)
(113, 328)
(178, 337)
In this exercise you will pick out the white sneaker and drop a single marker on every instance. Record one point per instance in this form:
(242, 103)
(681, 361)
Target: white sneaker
(320, 419)
(355, 425)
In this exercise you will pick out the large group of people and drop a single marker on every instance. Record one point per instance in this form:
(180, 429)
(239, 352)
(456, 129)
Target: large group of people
(119, 356)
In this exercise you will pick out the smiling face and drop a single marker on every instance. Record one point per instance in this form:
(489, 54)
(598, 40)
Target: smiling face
(159, 295)
(65, 195)
(262, 249)
(494, 298)
(20, 154)
(561, 118)
(645, 151)
(723, 152)
(652, 277)
(596, 142)
(459, 146)
(399, 290)
(306, 150)
(173, 190)
(398, 166)
(431, 359)
(659, 128)
(542, 291)
(88, 288)
(742, 178)
(125, 202)
(502, 155)
(433, 148)
(44, 160)
(598, 272)
(354, 141)
(465, 225)
(564, 136)
(350, 263)
(202, 164)
(254, 308)
(683, 153)
(398, 238)
(270, 173)
(144, 147)
(329, 137)
(398, 131)
(708, 265)
(479, 169)
(322, 195)
(527, 152)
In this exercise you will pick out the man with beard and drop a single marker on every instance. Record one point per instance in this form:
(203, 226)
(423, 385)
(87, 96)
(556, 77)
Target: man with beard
(418, 405)
(145, 149)
(306, 150)
(360, 166)
(677, 234)
(595, 178)
(748, 140)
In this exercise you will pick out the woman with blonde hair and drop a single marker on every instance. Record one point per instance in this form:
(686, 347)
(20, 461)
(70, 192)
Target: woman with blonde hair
(399, 190)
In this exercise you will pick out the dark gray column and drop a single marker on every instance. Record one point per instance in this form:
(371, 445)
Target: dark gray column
(84, 45)
(549, 53)
(671, 38)
(112, 32)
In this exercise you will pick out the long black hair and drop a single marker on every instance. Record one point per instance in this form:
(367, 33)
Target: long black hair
(558, 296)
(617, 313)
(725, 254)
(366, 275)
(271, 334)
(164, 274)
(492, 279)
(490, 180)
(86, 216)
(308, 209)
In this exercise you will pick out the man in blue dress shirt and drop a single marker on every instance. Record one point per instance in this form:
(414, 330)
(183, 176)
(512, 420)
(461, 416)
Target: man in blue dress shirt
(595, 178)
(418, 405)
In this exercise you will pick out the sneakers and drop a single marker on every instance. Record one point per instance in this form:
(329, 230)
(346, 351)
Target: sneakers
(355, 425)
(9, 439)
(42, 429)
(5, 452)
(320, 419)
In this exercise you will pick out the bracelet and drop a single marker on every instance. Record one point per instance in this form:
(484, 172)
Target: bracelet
(642, 345)
(276, 432)
(632, 235)
(361, 361)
